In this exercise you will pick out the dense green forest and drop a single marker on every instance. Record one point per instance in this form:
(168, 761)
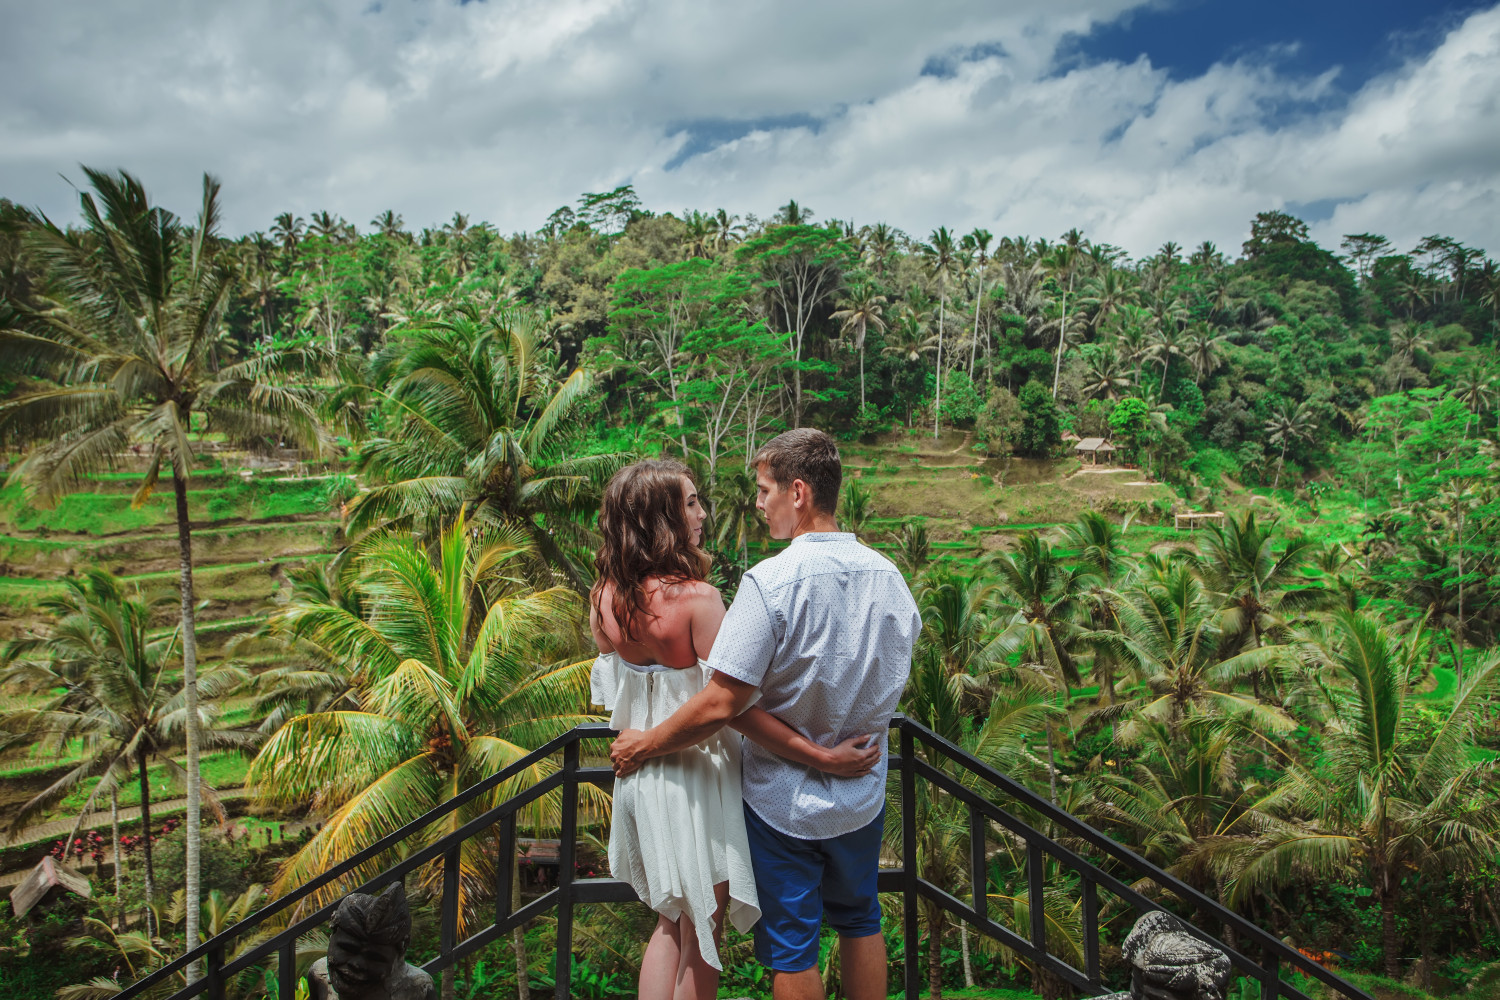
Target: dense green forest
(1293, 708)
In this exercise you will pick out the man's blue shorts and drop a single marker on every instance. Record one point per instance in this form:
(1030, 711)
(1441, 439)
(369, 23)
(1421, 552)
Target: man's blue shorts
(801, 881)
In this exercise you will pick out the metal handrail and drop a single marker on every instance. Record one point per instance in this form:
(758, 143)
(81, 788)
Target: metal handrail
(906, 880)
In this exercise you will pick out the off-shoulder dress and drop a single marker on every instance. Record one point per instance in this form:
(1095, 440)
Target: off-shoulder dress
(679, 823)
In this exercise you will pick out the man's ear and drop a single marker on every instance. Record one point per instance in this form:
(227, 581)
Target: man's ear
(800, 493)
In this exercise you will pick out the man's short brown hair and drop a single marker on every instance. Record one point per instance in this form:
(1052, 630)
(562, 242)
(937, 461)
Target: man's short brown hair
(808, 455)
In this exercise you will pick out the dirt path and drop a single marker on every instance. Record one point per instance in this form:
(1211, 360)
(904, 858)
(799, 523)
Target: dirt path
(98, 820)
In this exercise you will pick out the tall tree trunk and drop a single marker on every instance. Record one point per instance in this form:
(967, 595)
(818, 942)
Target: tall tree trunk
(963, 937)
(192, 823)
(1390, 941)
(1062, 334)
(1051, 765)
(861, 377)
(114, 824)
(974, 344)
(937, 405)
(518, 938)
(146, 840)
(936, 920)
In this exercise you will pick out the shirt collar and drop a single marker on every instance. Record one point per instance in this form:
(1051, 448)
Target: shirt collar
(823, 536)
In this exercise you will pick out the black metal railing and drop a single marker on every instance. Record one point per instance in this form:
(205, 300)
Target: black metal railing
(923, 755)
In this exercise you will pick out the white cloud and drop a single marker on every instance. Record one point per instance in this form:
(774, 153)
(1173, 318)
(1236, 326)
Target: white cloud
(507, 109)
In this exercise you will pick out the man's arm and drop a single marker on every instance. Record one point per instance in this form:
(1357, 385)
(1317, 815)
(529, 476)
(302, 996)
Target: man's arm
(852, 758)
(721, 699)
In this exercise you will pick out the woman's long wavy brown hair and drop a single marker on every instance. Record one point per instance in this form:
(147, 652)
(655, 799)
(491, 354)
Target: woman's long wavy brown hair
(644, 523)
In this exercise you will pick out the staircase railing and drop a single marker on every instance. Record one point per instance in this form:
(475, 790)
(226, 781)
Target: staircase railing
(923, 755)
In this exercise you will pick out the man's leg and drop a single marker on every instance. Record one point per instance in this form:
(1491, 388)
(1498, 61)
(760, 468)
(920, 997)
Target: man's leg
(805, 985)
(862, 967)
(788, 878)
(852, 905)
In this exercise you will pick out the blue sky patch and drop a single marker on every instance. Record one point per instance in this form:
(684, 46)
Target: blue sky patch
(704, 134)
(1362, 37)
(946, 64)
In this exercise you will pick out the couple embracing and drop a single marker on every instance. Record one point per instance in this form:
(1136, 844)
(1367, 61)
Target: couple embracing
(807, 665)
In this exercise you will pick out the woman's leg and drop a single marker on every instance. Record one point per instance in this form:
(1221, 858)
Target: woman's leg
(660, 964)
(696, 979)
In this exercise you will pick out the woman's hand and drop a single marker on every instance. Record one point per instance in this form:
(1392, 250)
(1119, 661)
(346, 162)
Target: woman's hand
(853, 758)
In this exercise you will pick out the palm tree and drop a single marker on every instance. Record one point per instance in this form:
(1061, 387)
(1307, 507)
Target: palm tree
(1256, 584)
(1175, 640)
(1064, 265)
(389, 223)
(1040, 604)
(940, 253)
(1285, 426)
(880, 244)
(1166, 343)
(793, 214)
(112, 689)
(860, 309)
(978, 244)
(724, 229)
(1099, 544)
(1406, 340)
(912, 546)
(857, 509)
(1185, 797)
(477, 432)
(128, 348)
(1393, 789)
(1203, 351)
(450, 655)
(939, 697)
(288, 230)
(1109, 292)
(1105, 374)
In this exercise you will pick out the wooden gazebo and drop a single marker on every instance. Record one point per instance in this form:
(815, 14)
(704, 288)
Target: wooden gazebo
(1094, 448)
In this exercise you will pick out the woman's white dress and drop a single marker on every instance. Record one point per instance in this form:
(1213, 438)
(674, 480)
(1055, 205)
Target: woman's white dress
(679, 823)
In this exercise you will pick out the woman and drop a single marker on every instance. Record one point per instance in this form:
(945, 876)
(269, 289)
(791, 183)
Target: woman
(678, 833)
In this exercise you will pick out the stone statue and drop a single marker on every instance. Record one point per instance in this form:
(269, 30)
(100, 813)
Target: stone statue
(366, 959)
(1167, 962)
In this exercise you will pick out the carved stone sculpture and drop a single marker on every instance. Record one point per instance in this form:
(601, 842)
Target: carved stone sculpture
(366, 959)
(1169, 963)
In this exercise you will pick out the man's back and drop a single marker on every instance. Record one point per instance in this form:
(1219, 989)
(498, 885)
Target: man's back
(836, 623)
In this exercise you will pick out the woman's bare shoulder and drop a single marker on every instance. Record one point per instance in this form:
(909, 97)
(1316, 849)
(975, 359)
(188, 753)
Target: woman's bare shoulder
(679, 590)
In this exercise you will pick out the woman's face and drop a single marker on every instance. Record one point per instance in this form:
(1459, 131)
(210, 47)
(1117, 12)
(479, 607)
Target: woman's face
(696, 512)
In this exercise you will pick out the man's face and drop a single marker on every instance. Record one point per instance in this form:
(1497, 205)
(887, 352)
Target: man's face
(779, 505)
(357, 967)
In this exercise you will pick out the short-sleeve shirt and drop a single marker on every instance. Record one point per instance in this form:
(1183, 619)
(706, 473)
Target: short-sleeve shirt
(825, 630)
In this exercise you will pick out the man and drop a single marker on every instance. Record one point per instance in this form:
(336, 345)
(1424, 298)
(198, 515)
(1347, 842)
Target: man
(825, 631)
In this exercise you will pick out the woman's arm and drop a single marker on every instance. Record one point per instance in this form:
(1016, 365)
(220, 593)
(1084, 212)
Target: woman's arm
(850, 759)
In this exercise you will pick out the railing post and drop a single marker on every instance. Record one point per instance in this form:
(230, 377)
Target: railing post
(565, 866)
(448, 920)
(215, 974)
(1035, 889)
(286, 971)
(505, 867)
(978, 865)
(1270, 984)
(1091, 932)
(909, 894)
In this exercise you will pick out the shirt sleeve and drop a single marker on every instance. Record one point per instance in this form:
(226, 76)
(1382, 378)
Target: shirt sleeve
(746, 642)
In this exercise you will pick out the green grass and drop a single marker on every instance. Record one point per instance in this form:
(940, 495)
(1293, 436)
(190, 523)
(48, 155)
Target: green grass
(112, 513)
(219, 770)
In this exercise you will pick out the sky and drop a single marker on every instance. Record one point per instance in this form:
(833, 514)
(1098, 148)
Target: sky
(1136, 122)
